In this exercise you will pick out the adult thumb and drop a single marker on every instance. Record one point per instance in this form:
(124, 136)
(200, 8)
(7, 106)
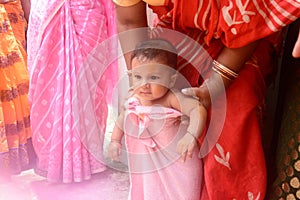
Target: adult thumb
(192, 91)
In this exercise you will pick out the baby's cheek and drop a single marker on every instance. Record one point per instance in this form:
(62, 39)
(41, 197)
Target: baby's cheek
(161, 83)
(137, 83)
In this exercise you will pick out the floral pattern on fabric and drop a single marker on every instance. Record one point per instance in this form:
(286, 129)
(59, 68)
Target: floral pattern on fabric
(16, 151)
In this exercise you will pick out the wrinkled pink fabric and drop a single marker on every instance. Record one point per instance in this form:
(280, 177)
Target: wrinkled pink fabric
(71, 78)
(156, 170)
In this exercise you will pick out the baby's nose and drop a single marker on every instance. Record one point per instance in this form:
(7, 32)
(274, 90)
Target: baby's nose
(145, 82)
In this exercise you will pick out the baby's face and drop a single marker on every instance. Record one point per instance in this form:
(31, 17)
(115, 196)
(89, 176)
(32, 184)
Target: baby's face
(151, 80)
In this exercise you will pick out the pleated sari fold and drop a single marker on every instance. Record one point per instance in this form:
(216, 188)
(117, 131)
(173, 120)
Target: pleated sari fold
(68, 89)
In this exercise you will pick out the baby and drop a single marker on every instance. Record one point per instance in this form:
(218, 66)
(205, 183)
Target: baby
(162, 152)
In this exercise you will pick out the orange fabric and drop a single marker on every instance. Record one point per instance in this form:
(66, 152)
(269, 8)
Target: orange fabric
(14, 105)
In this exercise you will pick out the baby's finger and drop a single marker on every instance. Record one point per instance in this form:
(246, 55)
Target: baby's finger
(179, 148)
(110, 152)
(183, 155)
(191, 148)
(189, 154)
(116, 157)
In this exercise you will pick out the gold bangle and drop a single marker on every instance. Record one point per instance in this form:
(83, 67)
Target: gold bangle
(222, 74)
(224, 71)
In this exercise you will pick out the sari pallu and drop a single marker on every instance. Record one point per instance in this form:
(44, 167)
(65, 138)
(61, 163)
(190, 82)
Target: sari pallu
(235, 167)
(68, 95)
(16, 152)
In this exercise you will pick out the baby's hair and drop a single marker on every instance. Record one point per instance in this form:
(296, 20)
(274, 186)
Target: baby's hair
(156, 49)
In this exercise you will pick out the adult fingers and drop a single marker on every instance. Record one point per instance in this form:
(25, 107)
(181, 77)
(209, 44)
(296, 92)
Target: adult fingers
(192, 91)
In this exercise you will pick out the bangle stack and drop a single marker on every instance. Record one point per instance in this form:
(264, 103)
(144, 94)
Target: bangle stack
(224, 71)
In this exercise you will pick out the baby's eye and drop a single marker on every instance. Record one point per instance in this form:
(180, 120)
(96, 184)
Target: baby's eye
(137, 76)
(154, 77)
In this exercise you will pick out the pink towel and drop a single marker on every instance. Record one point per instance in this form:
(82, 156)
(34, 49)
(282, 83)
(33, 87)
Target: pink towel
(156, 170)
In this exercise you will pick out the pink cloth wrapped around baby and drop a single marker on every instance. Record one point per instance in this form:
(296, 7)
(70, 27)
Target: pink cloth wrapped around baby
(156, 170)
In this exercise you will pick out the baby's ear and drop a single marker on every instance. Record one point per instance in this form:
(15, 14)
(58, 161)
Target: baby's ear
(173, 80)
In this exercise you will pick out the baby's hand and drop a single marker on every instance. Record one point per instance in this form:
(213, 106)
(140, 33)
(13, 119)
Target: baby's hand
(114, 150)
(186, 146)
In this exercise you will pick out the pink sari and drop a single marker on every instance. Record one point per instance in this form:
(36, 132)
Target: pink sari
(71, 75)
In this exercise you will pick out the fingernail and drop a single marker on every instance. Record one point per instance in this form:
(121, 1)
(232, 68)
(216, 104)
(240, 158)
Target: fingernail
(184, 90)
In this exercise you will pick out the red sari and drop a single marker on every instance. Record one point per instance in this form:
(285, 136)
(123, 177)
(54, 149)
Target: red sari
(234, 168)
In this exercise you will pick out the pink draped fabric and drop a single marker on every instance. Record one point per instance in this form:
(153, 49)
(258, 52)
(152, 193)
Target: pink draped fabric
(156, 170)
(71, 76)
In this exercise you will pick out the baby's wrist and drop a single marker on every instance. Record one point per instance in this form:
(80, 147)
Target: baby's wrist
(191, 134)
(115, 141)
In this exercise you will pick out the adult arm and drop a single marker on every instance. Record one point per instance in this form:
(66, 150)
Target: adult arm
(131, 26)
(232, 58)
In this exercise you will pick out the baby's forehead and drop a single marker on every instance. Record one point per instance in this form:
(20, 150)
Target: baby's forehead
(154, 67)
